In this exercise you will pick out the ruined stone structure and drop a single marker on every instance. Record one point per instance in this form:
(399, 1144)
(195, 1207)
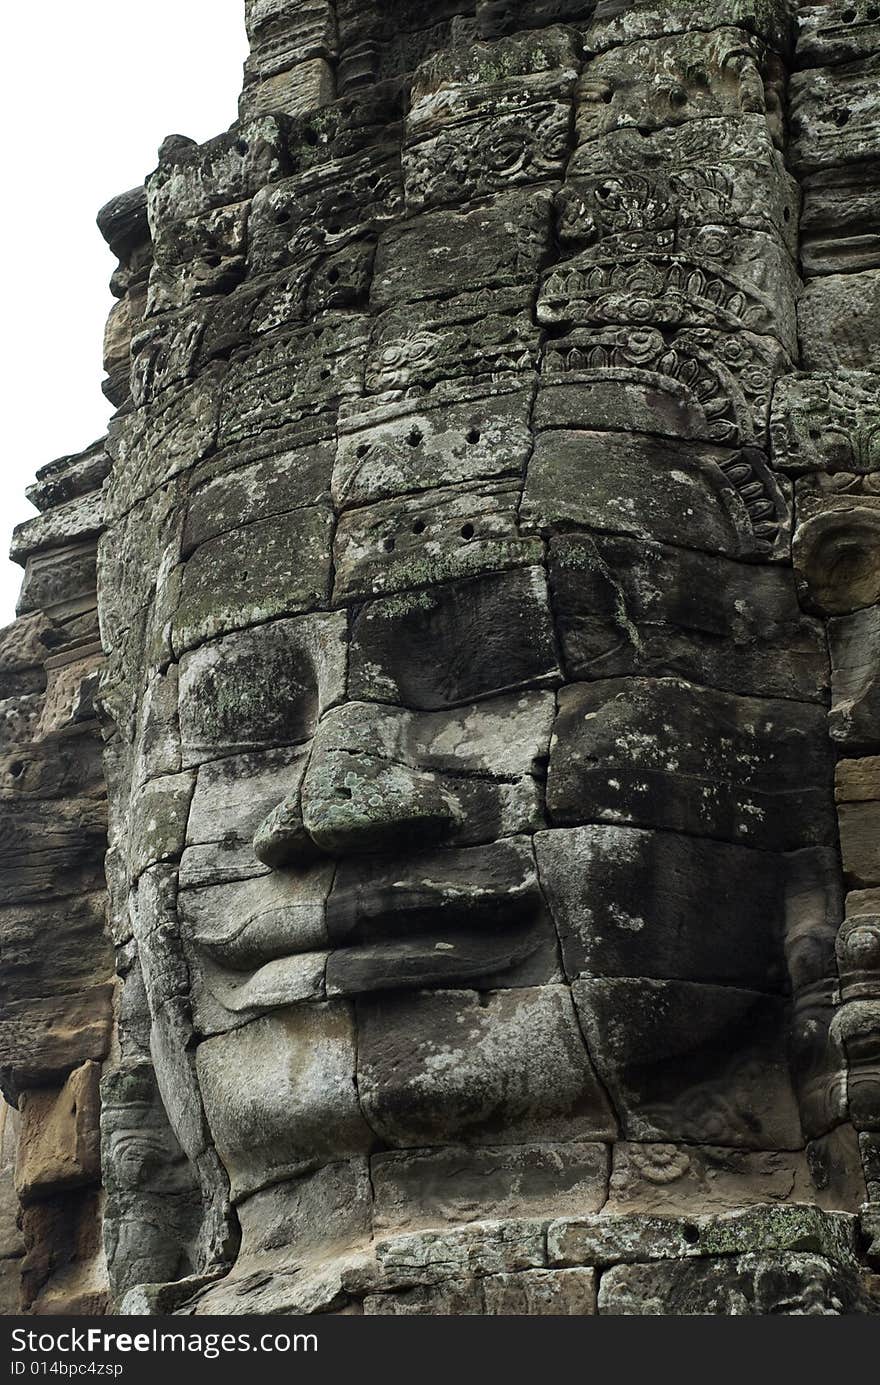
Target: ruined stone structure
(465, 647)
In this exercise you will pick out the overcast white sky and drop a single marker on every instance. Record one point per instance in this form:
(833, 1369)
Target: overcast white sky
(90, 89)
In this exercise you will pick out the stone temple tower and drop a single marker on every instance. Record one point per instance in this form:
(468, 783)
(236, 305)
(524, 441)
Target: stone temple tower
(440, 764)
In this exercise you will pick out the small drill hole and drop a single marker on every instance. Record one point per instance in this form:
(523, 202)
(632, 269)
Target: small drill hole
(467, 531)
(419, 526)
(691, 1233)
(362, 450)
(473, 436)
(848, 16)
(343, 791)
(242, 146)
(841, 118)
(389, 545)
(282, 218)
(333, 276)
(16, 769)
(414, 437)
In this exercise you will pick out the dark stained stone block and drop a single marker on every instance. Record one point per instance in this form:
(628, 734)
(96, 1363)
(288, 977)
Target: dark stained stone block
(273, 567)
(455, 643)
(634, 903)
(704, 1064)
(680, 493)
(507, 1068)
(664, 753)
(625, 606)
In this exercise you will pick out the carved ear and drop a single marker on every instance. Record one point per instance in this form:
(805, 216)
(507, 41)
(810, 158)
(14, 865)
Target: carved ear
(836, 553)
(154, 1205)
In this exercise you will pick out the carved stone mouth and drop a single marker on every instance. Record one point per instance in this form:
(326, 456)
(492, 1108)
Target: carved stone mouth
(453, 917)
(418, 963)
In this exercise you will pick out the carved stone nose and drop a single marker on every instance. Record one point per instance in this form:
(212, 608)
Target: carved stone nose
(358, 795)
(281, 839)
(353, 802)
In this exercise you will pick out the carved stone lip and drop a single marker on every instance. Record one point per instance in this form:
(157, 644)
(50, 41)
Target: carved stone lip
(458, 917)
(428, 908)
(422, 963)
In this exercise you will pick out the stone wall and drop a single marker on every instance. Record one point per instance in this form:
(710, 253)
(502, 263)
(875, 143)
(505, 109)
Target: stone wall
(57, 972)
(488, 522)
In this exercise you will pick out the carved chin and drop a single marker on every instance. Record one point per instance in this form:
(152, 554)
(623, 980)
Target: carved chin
(292, 1091)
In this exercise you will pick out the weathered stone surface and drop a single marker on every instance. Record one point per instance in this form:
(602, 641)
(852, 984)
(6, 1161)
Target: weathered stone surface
(11, 1240)
(837, 318)
(662, 82)
(642, 486)
(554, 1293)
(275, 567)
(626, 606)
(485, 904)
(483, 332)
(699, 1063)
(513, 128)
(788, 1284)
(828, 423)
(432, 537)
(838, 226)
(472, 778)
(633, 903)
(58, 1143)
(63, 1270)
(79, 955)
(677, 1178)
(707, 172)
(486, 584)
(834, 117)
(79, 519)
(447, 1186)
(715, 280)
(511, 1071)
(260, 688)
(604, 1240)
(236, 491)
(854, 683)
(453, 252)
(615, 20)
(663, 753)
(296, 1099)
(693, 383)
(43, 1040)
(455, 642)
(247, 922)
(390, 447)
(834, 546)
(836, 33)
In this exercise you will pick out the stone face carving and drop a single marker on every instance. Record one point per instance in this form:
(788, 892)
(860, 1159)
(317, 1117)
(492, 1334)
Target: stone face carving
(488, 595)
